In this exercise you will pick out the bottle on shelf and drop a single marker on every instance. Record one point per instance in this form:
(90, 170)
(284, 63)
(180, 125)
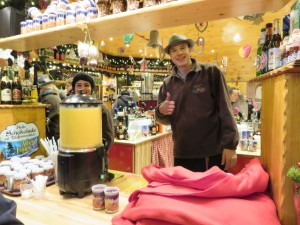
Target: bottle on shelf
(261, 58)
(265, 48)
(286, 26)
(34, 94)
(153, 126)
(274, 53)
(16, 88)
(121, 133)
(5, 88)
(26, 87)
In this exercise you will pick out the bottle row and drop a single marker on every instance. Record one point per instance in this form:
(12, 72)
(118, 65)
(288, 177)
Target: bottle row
(125, 131)
(276, 50)
(269, 54)
(13, 90)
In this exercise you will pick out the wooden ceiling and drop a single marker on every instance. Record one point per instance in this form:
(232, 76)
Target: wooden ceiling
(218, 37)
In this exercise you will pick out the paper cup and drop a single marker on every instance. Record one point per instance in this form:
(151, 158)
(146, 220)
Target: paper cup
(111, 199)
(98, 196)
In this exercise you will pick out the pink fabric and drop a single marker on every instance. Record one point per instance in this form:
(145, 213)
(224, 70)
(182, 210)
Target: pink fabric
(179, 196)
(162, 151)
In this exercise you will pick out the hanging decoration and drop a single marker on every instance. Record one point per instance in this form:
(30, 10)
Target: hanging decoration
(161, 53)
(143, 64)
(127, 38)
(200, 42)
(121, 50)
(106, 60)
(154, 41)
(245, 51)
(93, 55)
(88, 53)
(256, 18)
(132, 60)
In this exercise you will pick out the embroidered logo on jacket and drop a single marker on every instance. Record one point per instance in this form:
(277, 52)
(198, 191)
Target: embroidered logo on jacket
(198, 89)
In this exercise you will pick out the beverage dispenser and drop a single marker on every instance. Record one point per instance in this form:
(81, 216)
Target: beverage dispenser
(81, 156)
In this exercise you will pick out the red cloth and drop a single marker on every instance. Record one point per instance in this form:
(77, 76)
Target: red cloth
(178, 196)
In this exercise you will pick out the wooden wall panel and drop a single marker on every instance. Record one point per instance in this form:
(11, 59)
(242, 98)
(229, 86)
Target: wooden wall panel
(142, 156)
(280, 138)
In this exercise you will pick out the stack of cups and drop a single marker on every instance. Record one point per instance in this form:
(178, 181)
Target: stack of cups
(105, 198)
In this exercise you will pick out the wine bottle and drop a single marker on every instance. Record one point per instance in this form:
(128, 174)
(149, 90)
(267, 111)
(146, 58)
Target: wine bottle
(16, 88)
(265, 49)
(5, 88)
(274, 53)
(285, 26)
(261, 58)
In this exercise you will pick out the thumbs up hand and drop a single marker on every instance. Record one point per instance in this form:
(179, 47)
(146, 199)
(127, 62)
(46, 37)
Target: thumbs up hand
(168, 106)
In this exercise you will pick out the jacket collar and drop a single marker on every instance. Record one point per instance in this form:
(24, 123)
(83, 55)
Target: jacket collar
(196, 67)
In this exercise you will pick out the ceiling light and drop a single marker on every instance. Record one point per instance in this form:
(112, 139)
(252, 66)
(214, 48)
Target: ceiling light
(237, 37)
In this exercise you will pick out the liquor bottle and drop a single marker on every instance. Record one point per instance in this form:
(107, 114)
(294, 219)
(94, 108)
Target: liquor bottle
(120, 129)
(16, 89)
(285, 26)
(265, 48)
(274, 53)
(261, 58)
(34, 94)
(153, 126)
(5, 88)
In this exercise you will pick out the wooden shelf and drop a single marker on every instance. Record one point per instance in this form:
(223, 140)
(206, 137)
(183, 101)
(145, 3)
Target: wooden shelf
(161, 16)
(107, 70)
(292, 67)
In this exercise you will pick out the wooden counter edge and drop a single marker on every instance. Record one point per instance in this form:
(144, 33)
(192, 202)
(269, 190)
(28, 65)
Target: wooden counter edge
(24, 106)
(141, 140)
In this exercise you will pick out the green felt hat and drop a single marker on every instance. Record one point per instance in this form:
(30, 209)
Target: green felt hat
(175, 38)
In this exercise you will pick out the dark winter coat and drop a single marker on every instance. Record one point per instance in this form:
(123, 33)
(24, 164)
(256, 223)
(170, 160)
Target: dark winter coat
(123, 101)
(107, 126)
(51, 98)
(202, 121)
(8, 210)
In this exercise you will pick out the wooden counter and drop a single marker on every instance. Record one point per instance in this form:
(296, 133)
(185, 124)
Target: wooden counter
(280, 128)
(141, 140)
(67, 210)
(132, 156)
(27, 116)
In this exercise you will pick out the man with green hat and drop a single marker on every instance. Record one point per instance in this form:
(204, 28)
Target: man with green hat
(194, 100)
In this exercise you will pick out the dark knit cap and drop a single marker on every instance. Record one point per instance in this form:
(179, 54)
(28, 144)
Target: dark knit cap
(85, 77)
(125, 92)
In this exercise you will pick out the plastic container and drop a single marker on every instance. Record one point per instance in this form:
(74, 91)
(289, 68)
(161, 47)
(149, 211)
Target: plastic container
(18, 178)
(98, 196)
(79, 114)
(111, 199)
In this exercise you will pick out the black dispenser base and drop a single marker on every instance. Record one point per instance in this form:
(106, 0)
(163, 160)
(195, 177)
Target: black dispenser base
(79, 171)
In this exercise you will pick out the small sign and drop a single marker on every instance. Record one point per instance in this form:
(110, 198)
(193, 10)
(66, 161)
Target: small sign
(20, 140)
